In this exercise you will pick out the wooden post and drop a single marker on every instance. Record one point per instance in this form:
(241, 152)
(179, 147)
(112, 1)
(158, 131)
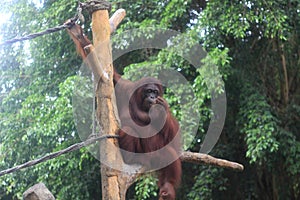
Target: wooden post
(106, 111)
(116, 183)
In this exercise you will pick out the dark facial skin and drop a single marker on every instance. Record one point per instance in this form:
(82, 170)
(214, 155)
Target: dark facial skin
(150, 95)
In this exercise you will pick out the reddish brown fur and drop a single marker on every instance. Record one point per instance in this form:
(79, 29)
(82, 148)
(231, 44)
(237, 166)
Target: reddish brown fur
(169, 176)
(79, 39)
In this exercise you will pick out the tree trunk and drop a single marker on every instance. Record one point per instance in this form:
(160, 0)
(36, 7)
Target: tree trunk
(106, 109)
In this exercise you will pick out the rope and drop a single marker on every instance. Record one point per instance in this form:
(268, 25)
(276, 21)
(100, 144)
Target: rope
(91, 6)
(69, 24)
(34, 35)
(69, 149)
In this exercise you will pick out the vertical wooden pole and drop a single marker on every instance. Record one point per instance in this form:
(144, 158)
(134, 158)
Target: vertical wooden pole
(106, 111)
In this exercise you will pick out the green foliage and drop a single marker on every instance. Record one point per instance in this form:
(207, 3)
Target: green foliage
(145, 187)
(248, 16)
(205, 184)
(259, 125)
(36, 106)
(252, 46)
(174, 10)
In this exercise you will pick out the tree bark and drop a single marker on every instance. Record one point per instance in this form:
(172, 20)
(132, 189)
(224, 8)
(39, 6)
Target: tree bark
(116, 183)
(106, 111)
(199, 158)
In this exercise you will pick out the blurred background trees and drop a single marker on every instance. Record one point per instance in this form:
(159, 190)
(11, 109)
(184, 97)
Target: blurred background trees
(255, 45)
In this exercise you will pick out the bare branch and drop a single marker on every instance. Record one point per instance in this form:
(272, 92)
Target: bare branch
(116, 18)
(69, 149)
(205, 159)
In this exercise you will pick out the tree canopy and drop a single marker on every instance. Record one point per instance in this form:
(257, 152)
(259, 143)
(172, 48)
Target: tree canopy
(254, 44)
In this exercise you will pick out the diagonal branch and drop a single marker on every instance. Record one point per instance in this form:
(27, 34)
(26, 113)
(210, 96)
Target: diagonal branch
(200, 158)
(69, 149)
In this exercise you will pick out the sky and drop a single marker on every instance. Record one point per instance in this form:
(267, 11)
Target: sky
(5, 16)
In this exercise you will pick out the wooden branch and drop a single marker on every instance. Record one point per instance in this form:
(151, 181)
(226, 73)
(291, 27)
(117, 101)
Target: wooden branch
(78, 37)
(286, 81)
(129, 176)
(192, 157)
(110, 155)
(85, 47)
(205, 159)
(94, 64)
(116, 183)
(74, 147)
(116, 18)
